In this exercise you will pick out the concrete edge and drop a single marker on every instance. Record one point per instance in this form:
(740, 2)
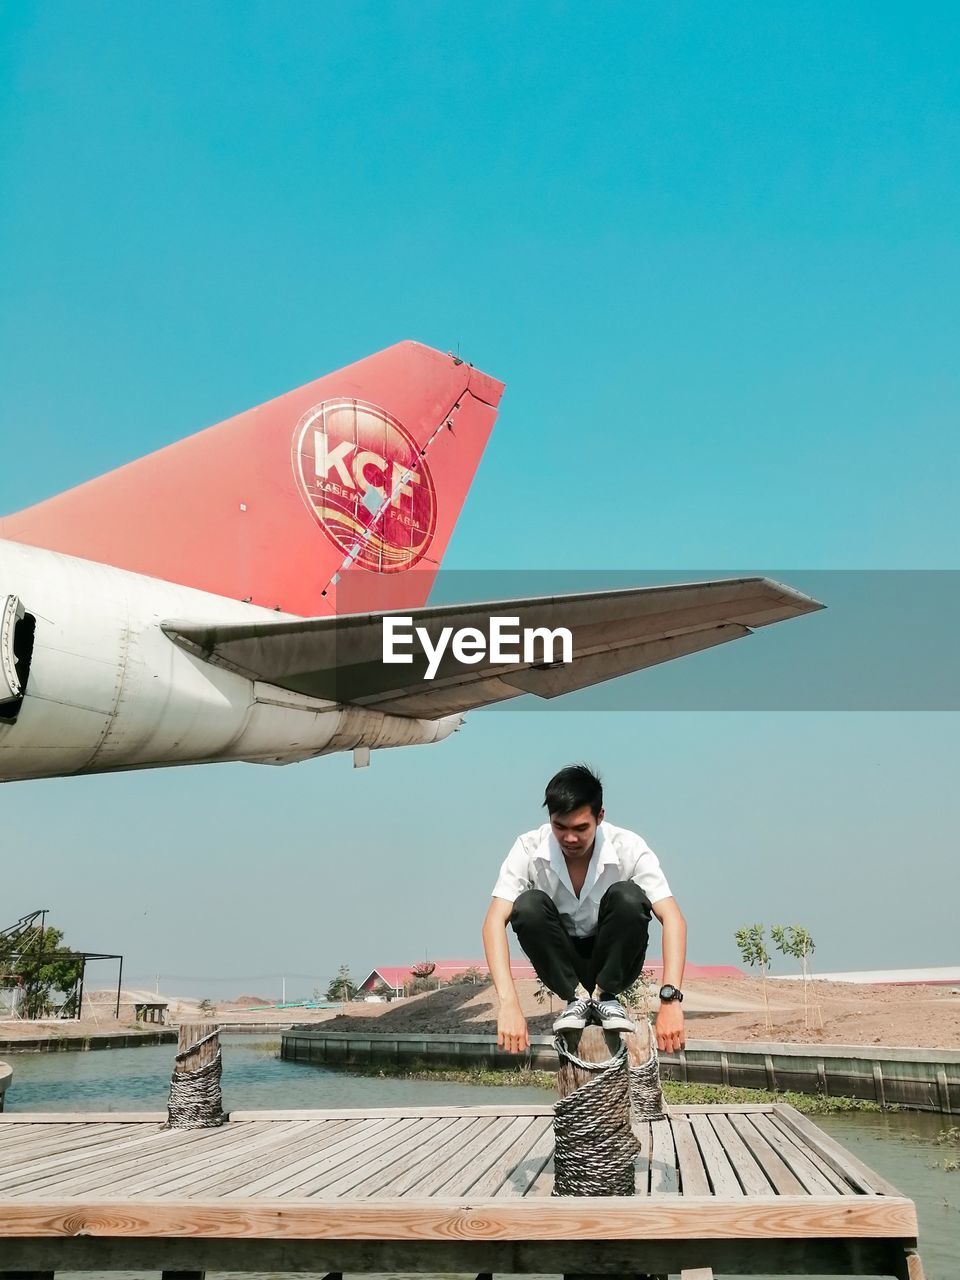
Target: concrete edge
(6, 1076)
(868, 1053)
(75, 1044)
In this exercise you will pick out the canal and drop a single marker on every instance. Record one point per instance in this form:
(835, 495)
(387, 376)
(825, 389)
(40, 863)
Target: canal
(903, 1146)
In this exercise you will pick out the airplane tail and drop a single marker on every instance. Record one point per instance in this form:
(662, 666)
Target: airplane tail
(364, 470)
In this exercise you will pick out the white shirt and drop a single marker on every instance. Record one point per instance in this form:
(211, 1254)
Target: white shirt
(536, 861)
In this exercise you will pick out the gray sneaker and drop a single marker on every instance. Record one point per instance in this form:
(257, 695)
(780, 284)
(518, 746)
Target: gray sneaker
(613, 1016)
(575, 1016)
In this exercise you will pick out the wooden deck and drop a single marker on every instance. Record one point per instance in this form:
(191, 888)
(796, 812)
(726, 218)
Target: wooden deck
(746, 1190)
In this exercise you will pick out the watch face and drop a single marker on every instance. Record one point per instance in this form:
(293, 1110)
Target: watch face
(667, 992)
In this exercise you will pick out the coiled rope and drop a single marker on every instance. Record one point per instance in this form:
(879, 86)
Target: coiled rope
(196, 1099)
(561, 1047)
(594, 1143)
(646, 1093)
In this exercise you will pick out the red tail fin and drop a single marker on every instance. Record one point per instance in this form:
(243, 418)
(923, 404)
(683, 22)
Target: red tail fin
(365, 469)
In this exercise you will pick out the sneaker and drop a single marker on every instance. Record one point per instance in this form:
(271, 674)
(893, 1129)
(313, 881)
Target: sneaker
(575, 1016)
(613, 1016)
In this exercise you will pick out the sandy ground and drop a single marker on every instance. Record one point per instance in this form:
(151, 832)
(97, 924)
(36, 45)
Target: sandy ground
(99, 1018)
(99, 1008)
(726, 1009)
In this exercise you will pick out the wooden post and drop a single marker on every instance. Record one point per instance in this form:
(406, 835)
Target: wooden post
(198, 1045)
(639, 1047)
(914, 1265)
(592, 1044)
(638, 1043)
(191, 1055)
(599, 1142)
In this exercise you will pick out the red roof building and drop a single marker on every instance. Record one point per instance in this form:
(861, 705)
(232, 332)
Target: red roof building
(397, 977)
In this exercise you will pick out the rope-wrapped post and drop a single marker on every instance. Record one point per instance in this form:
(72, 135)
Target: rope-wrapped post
(594, 1144)
(196, 1099)
(608, 1084)
(646, 1092)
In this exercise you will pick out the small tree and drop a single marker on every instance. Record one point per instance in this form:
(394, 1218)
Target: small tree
(794, 940)
(422, 973)
(342, 986)
(471, 977)
(207, 1006)
(43, 967)
(543, 993)
(637, 995)
(381, 989)
(752, 943)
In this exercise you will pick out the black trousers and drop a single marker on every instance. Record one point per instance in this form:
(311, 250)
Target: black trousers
(609, 960)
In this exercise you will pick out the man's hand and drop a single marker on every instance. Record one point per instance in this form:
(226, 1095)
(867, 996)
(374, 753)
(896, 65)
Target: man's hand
(512, 1029)
(669, 1027)
(511, 1024)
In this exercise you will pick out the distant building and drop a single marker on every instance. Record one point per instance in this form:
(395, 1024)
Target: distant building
(397, 977)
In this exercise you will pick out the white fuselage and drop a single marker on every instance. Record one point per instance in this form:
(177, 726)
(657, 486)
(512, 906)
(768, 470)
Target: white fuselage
(107, 689)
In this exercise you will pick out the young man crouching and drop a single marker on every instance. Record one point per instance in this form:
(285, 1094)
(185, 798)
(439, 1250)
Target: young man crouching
(579, 893)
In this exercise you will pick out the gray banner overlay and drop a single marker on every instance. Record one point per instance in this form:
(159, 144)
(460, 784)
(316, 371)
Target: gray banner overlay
(746, 640)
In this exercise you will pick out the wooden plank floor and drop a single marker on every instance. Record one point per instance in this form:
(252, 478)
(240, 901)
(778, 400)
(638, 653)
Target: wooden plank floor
(724, 1153)
(443, 1174)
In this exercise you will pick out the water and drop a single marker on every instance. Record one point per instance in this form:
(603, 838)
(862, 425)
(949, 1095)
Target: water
(253, 1078)
(901, 1146)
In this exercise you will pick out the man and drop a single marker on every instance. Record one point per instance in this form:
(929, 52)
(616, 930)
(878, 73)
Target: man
(579, 893)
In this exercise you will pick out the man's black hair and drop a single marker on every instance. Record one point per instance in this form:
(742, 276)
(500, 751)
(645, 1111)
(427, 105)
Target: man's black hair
(571, 789)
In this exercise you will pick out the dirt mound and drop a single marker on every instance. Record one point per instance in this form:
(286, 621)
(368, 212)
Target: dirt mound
(851, 1013)
(250, 1002)
(460, 1010)
(725, 1009)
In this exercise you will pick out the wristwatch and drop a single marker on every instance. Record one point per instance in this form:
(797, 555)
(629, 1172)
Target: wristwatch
(669, 993)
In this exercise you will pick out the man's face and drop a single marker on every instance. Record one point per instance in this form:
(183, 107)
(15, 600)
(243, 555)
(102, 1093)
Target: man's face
(576, 831)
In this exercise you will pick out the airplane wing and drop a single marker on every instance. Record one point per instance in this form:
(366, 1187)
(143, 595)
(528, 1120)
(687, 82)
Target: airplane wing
(613, 633)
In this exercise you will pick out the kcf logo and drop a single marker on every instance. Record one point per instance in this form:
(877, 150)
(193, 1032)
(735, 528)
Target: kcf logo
(366, 483)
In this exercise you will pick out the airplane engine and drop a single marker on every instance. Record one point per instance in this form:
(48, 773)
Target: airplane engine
(105, 689)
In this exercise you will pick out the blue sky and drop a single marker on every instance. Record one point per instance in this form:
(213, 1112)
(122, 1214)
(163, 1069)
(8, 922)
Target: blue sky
(712, 253)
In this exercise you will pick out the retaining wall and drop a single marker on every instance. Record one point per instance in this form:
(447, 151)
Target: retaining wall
(922, 1079)
(108, 1040)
